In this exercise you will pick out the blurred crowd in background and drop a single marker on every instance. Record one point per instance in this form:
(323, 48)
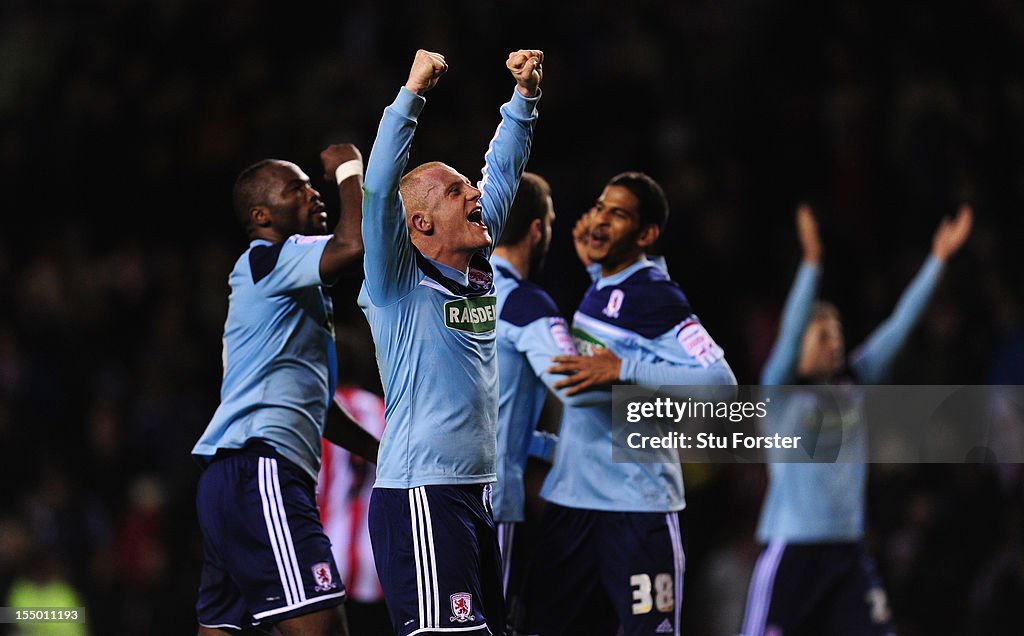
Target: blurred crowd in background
(125, 123)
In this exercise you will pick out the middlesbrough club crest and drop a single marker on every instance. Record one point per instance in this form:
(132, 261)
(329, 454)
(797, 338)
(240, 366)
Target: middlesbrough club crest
(462, 607)
(323, 578)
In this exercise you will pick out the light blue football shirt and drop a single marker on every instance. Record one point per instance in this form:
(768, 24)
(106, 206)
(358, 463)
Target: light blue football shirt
(434, 326)
(530, 332)
(279, 357)
(824, 502)
(644, 318)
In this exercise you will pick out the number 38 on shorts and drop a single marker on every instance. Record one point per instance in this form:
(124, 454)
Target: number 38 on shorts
(660, 595)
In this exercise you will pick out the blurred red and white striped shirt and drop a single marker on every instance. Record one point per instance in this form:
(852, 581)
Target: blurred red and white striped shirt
(343, 493)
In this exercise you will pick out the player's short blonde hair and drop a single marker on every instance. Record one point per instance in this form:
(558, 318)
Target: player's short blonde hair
(412, 188)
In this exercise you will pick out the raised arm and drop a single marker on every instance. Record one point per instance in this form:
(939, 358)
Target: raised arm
(510, 147)
(343, 165)
(781, 367)
(389, 262)
(873, 359)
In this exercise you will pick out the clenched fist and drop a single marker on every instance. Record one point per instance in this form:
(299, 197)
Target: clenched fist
(336, 154)
(426, 69)
(952, 233)
(527, 67)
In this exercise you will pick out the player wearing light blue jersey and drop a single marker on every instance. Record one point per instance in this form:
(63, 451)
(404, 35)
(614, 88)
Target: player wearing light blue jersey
(530, 331)
(814, 575)
(612, 532)
(429, 298)
(266, 558)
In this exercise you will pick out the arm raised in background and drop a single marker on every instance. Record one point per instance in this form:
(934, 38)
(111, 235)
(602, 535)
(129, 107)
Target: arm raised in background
(872, 360)
(781, 367)
(343, 165)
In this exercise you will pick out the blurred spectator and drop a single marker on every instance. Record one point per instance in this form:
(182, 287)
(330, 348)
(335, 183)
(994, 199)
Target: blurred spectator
(345, 483)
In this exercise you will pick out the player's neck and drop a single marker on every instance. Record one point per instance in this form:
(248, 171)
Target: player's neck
(455, 259)
(266, 234)
(518, 256)
(611, 269)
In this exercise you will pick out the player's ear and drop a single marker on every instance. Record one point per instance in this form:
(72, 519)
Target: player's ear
(648, 236)
(259, 216)
(536, 234)
(421, 223)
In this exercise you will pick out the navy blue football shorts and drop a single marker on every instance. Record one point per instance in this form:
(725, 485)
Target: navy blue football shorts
(437, 558)
(816, 588)
(596, 570)
(266, 557)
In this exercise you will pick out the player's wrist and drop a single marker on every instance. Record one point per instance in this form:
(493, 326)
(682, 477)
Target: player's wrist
(626, 370)
(347, 169)
(527, 91)
(416, 87)
(812, 254)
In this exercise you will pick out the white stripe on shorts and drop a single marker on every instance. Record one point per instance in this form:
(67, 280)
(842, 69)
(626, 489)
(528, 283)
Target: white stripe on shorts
(759, 594)
(273, 531)
(428, 602)
(506, 535)
(281, 610)
(414, 518)
(679, 560)
(431, 556)
(286, 531)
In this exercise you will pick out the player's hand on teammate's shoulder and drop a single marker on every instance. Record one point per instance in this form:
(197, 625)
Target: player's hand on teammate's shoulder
(952, 233)
(807, 232)
(527, 67)
(334, 155)
(427, 69)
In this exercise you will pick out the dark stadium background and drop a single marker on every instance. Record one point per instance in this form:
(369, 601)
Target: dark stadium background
(123, 125)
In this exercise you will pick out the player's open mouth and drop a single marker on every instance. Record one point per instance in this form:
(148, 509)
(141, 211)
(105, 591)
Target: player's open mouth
(597, 240)
(476, 216)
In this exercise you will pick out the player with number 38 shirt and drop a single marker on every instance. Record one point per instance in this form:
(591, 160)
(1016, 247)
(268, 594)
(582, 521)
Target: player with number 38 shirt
(612, 535)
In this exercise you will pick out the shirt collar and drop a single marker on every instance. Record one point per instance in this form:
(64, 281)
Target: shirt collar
(616, 279)
(498, 261)
(456, 275)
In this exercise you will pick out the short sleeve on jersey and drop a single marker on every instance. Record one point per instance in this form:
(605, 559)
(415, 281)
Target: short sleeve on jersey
(262, 260)
(292, 264)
